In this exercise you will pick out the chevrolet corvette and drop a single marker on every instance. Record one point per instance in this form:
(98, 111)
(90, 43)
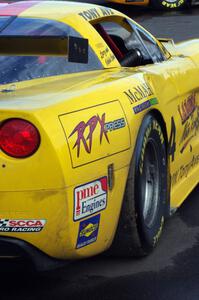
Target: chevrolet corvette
(159, 4)
(99, 131)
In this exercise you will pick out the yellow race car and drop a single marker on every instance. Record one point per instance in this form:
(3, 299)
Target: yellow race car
(99, 131)
(159, 4)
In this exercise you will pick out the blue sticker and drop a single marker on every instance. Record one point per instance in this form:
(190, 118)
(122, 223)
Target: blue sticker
(114, 125)
(88, 231)
(137, 109)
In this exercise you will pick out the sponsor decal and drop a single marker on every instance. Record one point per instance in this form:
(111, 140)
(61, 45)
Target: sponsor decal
(145, 140)
(137, 109)
(172, 140)
(12, 225)
(138, 93)
(104, 53)
(172, 4)
(89, 127)
(184, 170)
(90, 198)
(187, 107)
(114, 125)
(159, 232)
(107, 56)
(88, 231)
(186, 144)
(95, 13)
(154, 126)
(189, 113)
(190, 130)
(99, 45)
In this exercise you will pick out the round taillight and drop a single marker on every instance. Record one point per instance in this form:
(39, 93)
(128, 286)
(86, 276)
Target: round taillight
(19, 138)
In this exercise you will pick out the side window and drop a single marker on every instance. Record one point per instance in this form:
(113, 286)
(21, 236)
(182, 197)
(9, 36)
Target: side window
(131, 46)
(115, 36)
(151, 45)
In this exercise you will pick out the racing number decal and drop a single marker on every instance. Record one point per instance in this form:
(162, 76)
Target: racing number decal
(172, 139)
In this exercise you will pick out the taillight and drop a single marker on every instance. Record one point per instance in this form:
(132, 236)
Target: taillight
(19, 138)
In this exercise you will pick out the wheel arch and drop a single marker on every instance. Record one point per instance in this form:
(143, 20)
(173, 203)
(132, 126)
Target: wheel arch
(157, 114)
(128, 226)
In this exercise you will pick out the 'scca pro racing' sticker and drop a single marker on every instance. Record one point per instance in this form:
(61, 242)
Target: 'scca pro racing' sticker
(12, 225)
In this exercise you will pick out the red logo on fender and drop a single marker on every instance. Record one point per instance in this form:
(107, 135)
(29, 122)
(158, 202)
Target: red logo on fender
(85, 193)
(187, 107)
(25, 223)
(92, 123)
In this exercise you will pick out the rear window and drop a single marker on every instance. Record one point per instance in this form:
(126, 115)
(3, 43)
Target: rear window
(3, 22)
(20, 68)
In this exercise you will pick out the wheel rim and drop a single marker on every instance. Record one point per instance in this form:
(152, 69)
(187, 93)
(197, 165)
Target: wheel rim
(150, 184)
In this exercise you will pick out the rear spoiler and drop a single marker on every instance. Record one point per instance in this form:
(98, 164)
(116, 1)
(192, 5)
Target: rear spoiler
(75, 48)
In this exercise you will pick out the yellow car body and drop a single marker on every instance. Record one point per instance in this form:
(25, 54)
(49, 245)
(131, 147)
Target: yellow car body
(43, 190)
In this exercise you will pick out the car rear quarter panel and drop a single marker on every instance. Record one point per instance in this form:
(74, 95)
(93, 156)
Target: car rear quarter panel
(53, 173)
(42, 186)
(109, 99)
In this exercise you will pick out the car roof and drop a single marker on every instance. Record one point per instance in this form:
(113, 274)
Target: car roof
(56, 10)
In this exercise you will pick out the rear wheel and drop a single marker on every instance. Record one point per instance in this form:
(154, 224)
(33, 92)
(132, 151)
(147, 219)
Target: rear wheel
(144, 205)
(169, 4)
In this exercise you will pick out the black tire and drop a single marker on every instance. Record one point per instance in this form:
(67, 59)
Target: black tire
(169, 4)
(144, 205)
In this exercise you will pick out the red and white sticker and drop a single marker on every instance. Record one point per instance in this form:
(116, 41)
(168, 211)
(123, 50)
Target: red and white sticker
(13, 225)
(90, 198)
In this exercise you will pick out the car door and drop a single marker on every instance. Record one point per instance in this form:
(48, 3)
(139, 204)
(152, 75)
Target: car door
(181, 113)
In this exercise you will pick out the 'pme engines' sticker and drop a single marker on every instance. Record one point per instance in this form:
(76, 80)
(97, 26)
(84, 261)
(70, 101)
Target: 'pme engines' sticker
(90, 198)
(88, 231)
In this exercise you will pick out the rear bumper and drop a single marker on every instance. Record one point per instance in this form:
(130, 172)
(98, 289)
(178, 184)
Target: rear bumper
(16, 248)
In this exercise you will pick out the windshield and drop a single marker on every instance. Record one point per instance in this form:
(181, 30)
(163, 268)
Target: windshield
(20, 68)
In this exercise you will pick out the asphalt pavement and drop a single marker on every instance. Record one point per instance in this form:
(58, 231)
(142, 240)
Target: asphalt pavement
(170, 272)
